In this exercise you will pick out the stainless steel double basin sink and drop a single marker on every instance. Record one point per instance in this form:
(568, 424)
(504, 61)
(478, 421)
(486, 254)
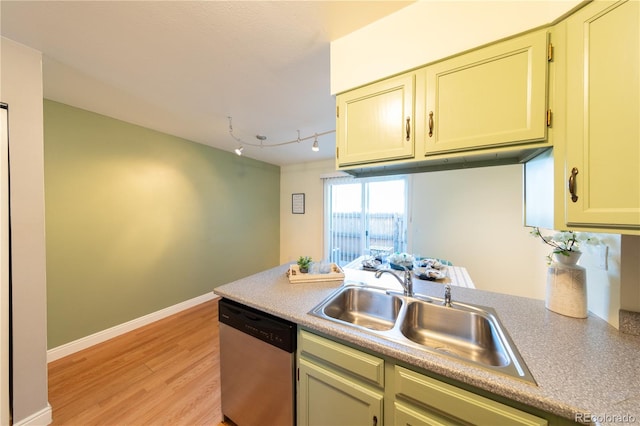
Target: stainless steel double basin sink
(466, 332)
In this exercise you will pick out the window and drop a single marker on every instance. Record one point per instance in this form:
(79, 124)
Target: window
(364, 216)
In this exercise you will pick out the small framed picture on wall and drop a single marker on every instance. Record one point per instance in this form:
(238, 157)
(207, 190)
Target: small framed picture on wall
(297, 203)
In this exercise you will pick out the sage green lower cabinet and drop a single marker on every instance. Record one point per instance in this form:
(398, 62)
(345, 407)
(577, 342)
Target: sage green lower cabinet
(327, 398)
(338, 385)
(342, 385)
(423, 400)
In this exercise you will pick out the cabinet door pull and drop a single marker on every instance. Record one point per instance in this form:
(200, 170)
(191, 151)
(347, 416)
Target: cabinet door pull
(572, 184)
(375, 421)
(430, 123)
(408, 129)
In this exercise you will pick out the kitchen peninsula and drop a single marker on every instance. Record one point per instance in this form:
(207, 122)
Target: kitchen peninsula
(584, 368)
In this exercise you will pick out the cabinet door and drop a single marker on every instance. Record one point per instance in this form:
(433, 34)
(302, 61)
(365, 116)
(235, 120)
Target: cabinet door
(375, 123)
(603, 115)
(490, 97)
(328, 399)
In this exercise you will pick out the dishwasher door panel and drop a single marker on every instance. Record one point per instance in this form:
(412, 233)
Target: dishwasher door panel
(257, 380)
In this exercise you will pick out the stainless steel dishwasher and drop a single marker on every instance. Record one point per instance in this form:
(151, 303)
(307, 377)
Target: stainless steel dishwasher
(257, 366)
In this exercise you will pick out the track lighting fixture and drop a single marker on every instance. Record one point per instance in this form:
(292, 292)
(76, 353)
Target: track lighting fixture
(263, 144)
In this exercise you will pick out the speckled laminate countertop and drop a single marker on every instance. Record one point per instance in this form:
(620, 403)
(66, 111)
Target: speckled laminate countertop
(582, 366)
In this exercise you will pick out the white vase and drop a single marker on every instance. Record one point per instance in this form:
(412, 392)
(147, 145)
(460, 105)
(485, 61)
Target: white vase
(567, 286)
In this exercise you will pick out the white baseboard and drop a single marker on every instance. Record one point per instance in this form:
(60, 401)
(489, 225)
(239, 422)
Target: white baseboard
(41, 418)
(101, 336)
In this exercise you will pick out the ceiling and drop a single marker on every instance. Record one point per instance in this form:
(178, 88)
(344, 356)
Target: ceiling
(184, 67)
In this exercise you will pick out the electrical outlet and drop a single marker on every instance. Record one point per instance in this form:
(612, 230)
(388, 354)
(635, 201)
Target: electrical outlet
(595, 257)
(603, 256)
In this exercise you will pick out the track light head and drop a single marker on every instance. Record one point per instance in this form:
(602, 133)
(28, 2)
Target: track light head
(239, 150)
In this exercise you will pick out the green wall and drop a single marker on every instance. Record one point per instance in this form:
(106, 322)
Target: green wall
(138, 220)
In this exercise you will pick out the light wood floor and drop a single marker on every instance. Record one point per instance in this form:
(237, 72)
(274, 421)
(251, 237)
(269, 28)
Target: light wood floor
(166, 373)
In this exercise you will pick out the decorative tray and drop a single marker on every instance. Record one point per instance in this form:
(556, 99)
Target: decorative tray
(295, 276)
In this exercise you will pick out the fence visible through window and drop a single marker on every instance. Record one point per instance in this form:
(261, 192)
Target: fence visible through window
(365, 216)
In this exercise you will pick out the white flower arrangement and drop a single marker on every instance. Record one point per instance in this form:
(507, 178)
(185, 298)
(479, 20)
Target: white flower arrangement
(564, 242)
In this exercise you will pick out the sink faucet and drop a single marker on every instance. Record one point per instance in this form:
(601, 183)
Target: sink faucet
(406, 283)
(447, 295)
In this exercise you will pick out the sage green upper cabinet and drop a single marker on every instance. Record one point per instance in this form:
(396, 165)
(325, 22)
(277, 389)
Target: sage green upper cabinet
(603, 116)
(489, 97)
(375, 122)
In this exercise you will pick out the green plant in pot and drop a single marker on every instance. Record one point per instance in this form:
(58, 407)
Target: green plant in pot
(304, 262)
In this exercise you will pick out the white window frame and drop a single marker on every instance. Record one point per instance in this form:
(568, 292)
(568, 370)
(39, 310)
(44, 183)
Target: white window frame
(350, 179)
